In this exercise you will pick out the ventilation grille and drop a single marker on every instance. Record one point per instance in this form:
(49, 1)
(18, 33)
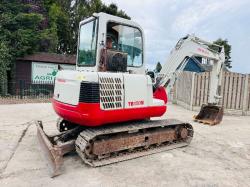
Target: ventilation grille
(111, 92)
(89, 92)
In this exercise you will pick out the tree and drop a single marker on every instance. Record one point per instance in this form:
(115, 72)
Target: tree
(75, 12)
(5, 59)
(45, 25)
(22, 26)
(158, 67)
(20, 31)
(227, 48)
(113, 10)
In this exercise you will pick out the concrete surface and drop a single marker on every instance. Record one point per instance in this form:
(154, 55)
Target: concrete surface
(217, 156)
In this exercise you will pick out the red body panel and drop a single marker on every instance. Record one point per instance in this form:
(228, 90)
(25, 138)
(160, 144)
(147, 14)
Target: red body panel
(90, 114)
(160, 93)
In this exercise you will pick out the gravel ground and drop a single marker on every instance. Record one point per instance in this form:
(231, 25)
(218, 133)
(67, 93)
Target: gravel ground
(13, 100)
(217, 156)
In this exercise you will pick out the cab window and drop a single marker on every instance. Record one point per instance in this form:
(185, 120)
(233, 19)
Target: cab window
(127, 39)
(87, 44)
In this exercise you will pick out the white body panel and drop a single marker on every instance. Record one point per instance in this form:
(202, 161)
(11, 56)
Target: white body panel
(67, 85)
(136, 92)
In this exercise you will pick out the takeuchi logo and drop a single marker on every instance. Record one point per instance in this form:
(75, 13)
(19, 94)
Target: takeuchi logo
(204, 51)
(135, 103)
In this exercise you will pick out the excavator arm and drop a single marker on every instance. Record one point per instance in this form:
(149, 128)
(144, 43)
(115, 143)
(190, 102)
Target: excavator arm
(191, 47)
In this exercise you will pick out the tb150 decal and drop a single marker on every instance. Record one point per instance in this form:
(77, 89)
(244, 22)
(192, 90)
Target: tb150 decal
(135, 103)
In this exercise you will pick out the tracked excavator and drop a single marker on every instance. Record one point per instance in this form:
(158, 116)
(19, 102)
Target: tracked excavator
(105, 105)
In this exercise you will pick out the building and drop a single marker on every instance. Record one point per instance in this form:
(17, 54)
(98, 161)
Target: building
(41, 67)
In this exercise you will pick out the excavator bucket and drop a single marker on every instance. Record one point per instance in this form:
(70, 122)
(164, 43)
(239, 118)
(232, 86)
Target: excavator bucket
(53, 150)
(209, 114)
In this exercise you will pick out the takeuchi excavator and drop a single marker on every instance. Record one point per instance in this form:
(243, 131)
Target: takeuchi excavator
(105, 105)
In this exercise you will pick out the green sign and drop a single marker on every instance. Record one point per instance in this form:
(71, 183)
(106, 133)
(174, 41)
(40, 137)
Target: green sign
(46, 72)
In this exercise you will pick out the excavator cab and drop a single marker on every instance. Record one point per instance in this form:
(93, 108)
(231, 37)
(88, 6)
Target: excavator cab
(110, 44)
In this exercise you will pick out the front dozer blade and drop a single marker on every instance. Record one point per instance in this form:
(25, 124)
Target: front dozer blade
(209, 114)
(53, 152)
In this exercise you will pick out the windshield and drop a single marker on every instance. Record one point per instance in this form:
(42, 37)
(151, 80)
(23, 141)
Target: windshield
(128, 40)
(87, 44)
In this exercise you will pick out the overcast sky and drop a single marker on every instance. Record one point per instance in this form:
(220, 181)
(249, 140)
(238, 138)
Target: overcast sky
(165, 21)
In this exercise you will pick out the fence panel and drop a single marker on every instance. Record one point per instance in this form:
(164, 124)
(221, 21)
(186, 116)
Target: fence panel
(201, 88)
(248, 98)
(198, 90)
(26, 90)
(235, 90)
(183, 85)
